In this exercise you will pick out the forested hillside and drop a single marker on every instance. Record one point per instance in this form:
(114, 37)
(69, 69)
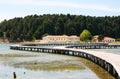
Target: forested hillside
(35, 26)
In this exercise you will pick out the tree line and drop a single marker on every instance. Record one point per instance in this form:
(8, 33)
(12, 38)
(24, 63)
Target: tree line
(35, 26)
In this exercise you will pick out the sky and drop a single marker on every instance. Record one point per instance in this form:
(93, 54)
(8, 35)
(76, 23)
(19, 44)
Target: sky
(20, 8)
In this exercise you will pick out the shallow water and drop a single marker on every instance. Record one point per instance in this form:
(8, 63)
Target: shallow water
(32, 65)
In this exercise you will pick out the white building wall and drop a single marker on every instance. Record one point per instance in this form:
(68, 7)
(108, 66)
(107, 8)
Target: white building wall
(61, 39)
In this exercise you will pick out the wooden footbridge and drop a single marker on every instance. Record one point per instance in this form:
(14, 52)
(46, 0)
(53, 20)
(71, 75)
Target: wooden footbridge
(110, 62)
(81, 46)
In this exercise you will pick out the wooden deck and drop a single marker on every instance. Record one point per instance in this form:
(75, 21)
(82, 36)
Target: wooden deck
(111, 58)
(81, 46)
(110, 62)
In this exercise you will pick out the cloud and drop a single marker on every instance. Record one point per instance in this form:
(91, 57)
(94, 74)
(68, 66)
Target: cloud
(62, 6)
(56, 3)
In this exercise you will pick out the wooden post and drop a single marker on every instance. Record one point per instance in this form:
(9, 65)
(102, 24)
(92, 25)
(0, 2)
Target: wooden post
(14, 75)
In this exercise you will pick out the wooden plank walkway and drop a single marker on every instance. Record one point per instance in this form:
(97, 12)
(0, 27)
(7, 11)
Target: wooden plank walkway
(113, 59)
(81, 46)
(109, 61)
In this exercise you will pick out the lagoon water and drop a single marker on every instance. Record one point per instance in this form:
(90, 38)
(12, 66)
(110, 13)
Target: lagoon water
(34, 65)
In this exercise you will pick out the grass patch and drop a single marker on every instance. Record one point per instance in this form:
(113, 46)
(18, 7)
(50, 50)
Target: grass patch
(66, 65)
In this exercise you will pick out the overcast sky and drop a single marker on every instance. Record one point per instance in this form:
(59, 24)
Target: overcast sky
(20, 8)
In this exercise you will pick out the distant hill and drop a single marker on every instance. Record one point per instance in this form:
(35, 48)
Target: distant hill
(35, 26)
